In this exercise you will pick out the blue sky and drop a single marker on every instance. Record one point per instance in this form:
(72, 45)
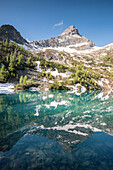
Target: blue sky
(42, 19)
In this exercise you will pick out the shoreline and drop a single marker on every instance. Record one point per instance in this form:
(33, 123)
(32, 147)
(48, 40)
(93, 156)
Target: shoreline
(9, 88)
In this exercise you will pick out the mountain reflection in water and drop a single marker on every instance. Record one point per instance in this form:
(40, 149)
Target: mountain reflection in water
(56, 129)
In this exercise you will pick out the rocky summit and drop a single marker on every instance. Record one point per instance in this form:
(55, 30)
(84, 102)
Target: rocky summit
(11, 34)
(70, 37)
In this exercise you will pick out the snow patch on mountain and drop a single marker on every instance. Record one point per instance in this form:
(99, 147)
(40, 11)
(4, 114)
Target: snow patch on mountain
(71, 50)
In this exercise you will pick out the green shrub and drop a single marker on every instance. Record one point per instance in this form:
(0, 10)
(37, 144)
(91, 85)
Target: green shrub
(58, 86)
(4, 74)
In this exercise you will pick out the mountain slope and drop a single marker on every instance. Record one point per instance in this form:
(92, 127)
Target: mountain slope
(10, 33)
(70, 37)
(59, 68)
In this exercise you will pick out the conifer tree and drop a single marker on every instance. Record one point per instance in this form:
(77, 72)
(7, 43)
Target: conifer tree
(4, 74)
(8, 58)
(29, 62)
(6, 43)
(24, 79)
(21, 80)
(20, 61)
(11, 64)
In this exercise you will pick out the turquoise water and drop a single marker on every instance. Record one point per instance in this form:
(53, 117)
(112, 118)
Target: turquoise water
(56, 130)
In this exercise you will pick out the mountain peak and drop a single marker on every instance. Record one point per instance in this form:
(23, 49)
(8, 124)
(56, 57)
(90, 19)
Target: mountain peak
(7, 26)
(71, 30)
(10, 33)
(70, 36)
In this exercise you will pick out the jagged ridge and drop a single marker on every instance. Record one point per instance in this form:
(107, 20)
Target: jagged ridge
(69, 37)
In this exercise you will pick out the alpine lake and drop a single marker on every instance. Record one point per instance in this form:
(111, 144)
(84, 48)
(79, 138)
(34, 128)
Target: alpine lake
(56, 130)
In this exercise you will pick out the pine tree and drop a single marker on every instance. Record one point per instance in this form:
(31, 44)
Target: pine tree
(10, 44)
(15, 53)
(6, 43)
(20, 61)
(8, 58)
(21, 80)
(25, 80)
(29, 62)
(12, 64)
(4, 74)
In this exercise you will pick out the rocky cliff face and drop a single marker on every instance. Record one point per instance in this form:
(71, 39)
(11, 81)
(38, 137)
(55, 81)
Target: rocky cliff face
(70, 37)
(10, 33)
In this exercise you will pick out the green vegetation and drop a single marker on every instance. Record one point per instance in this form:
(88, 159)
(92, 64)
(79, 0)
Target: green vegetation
(13, 58)
(26, 83)
(80, 74)
(25, 80)
(111, 75)
(47, 75)
(102, 64)
(31, 62)
(108, 59)
(58, 86)
(21, 80)
(4, 74)
(52, 65)
(85, 78)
